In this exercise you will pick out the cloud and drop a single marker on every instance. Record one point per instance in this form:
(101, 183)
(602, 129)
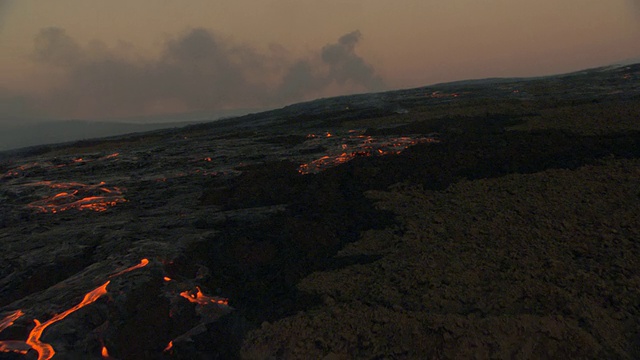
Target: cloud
(346, 65)
(5, 8)
(196, 71)
(54, 46)
(635, 7)
(339, 64)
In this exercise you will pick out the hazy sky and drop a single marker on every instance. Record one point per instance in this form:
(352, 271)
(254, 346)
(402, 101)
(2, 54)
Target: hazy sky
(97, 59)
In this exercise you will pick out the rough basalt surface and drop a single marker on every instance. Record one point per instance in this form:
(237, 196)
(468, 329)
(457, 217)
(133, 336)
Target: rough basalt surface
(527, 266)
(494, 219)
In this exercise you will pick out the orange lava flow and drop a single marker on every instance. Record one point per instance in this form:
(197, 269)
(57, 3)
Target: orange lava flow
(9, 319)
(143, 263)
(78, 196)
(111, 156)
(201, 299)
(169, 346)
(19, 347)
(45, 351)
(361, 146)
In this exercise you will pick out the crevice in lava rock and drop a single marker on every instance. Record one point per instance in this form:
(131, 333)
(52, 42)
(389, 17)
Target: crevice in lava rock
(146, 319)
(45, 276)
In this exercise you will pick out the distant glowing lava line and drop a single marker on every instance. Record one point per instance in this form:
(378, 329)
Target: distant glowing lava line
(143, 263)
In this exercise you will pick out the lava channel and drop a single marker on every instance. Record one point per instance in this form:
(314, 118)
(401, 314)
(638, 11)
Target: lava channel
(77, 196)
(45, 351)
(361, 146)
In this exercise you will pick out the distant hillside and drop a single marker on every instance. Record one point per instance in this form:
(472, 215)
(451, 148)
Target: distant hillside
(29, 134)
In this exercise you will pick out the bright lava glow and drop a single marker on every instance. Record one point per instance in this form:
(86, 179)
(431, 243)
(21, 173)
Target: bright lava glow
(355, 146)
(169, 346)
(142, 263)
(201, 299)
(45, 351)
(77, 196)
(11, 345)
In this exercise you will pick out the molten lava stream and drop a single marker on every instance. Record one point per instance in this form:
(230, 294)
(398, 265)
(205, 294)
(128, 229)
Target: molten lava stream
(169, 346)
(10, 345)
(201, 299)
(79, 196)
(143, 263)
(9, 319)
(45, 351)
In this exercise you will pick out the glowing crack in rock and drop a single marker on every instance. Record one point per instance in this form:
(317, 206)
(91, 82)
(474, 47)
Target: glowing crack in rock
(77, 196)
(201, 299)
(19, 347)
(355, 146)
(169, 346)
(105, 352)
(21, 169)
(142, 263)
(9, 319)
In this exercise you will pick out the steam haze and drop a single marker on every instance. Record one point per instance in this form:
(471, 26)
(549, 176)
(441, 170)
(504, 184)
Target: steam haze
(111, 60)
(197, 70)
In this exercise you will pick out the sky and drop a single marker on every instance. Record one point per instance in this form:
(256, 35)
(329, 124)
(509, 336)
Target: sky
(93, 59)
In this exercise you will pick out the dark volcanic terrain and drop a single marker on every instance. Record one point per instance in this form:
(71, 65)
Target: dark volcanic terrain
(480, 219)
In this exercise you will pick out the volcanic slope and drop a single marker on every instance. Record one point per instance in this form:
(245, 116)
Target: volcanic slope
(483, 219)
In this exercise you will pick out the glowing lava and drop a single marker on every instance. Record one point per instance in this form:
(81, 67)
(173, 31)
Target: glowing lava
(10, 345)
(9, 319)
(142, 263)
(201, 299)
(19, 347)
(45, 351)
(20, 170)
(169, 346)
(361, 146)
(78, 196)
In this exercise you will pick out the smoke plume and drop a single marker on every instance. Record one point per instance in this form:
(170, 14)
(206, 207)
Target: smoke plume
(196, 71)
